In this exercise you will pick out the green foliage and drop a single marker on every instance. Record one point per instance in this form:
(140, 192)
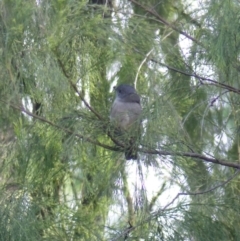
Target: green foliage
(63, 173)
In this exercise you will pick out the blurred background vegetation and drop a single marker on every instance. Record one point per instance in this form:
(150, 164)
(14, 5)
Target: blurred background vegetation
(62, 177)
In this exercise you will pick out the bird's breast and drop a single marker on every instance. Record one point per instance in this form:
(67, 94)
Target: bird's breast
(125, 114)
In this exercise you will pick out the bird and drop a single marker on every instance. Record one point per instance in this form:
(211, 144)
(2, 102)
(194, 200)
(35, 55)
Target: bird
(125, 114)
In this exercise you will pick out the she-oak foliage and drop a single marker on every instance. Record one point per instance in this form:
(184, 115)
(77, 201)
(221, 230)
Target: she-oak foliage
(63, 175)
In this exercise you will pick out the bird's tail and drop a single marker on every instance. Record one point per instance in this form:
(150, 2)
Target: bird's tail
(131, 153)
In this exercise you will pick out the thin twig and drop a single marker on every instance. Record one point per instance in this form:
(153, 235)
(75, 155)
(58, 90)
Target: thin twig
(216, 98)
(199, 193)
(140, 66)
(124, 233)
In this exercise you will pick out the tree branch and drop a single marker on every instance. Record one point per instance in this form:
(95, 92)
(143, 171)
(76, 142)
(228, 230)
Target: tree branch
(154, 215)
(201, 78)
(214, 82)
(193, 155)
(196, 156)
(199, 193)
(163, 21)
(74, 86)
(130, 206)
(22, 109)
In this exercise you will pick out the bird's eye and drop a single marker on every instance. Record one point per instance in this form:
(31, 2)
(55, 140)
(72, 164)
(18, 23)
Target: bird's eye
(120, 91)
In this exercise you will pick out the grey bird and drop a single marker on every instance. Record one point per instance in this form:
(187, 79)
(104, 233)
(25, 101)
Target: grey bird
(125, 113)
